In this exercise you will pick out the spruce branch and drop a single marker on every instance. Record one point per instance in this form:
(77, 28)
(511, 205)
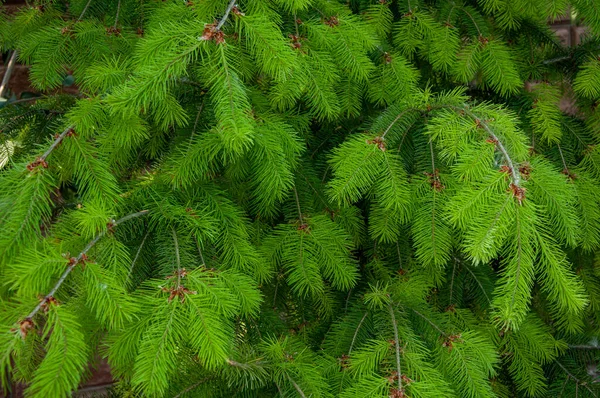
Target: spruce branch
(516, 177)
(77, 260)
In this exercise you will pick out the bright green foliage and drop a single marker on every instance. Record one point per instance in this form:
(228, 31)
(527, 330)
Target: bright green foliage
(302, 198)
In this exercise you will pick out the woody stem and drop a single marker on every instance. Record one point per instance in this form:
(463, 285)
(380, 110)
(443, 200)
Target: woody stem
(177, 257)
(516, 177)
(397, 346)
(57, 141)
(9, 69)
(222, 21)
(79, 258)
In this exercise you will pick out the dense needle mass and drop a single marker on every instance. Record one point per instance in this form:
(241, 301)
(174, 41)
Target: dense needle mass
(302, 198)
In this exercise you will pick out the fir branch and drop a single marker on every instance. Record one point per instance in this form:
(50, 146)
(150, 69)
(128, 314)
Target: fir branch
(79, 258)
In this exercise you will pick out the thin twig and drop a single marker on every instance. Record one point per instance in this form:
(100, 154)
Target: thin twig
(222, 21)
(177, 257)
(196, 122)
(452, 282)
(516, 177)
(432, 157)
(404, 112)
(397, 346)
(9, 69)
(356, 332)
(584, 347)
(57, 141)
(480, 285)
(30, 99)
(298, 204)
(296, 386)
(80, 257)
(193, 386)
(84, 10)
(562, 158)
(117, 16)
(575, 379)
(472, 19)
(431, 323)
(199, 250)
(554, 60)
(137, 255)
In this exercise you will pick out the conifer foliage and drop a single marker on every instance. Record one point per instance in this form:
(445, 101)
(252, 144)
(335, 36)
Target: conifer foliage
(302, 198)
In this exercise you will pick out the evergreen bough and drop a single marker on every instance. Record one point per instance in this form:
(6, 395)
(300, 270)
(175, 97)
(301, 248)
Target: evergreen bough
(302, 198)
